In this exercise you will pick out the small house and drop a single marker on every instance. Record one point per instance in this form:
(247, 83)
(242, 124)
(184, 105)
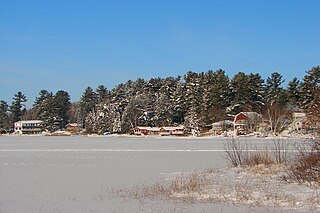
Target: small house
(172, 131)
(141, 130)
(220, 127)
(246, 122)
(73, 127)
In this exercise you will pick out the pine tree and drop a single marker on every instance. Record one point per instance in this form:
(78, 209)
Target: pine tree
(62, 105)
(215, 96)
(293, 91)
(102, 93)
(240, 93)
(40, 104)
(17, 106)
(274, 91)
(88, 103)
(193, 119)
(309, 86)
(5, 122)
(256, 99)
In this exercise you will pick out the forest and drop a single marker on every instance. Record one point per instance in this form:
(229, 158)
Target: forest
(194, 100)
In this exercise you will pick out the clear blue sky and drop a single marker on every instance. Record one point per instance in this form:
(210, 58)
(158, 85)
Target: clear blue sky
(72, 44)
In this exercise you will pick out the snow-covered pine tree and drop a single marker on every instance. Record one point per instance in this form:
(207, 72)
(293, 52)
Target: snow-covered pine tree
(88, 102)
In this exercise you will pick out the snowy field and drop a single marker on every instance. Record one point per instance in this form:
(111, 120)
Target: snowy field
(74, 174)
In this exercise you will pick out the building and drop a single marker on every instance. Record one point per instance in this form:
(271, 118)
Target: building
(221, 127)
(73, 127)
(28, 127)
(179, 130)
(298, 119)
(246, 122)
(159, 130)
(142, 130)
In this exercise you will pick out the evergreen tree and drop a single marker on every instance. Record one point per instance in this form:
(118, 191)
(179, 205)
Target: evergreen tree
(102, 93)
(61, 103)
(5, 122)
(193, 96)
(274, 91)
(165, 109)
(293, 91)
(256, 98)
(40, 104)
(215, 96)
(46, 112)
(240, 93)
(309, 86)
(17, 106)
(88, 103)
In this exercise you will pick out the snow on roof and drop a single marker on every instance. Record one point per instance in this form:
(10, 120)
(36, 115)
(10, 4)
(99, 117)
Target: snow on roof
(29, 121)
(73, 124)
(148, 128)
(170, 128)
(225, 122)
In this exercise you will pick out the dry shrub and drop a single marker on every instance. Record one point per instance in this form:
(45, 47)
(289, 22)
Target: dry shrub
(241, 154)
(306, 168)
(237, 153)
(280, 151)
(259, 158)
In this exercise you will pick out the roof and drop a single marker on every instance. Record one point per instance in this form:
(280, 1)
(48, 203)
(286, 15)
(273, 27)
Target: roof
(251, 114)
(225, 122)
(251, 117)
(73, 124)
(148, 128)
(29, 121)
(170, 128)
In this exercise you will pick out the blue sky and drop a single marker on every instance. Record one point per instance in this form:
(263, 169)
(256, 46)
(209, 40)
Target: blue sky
(73, 44)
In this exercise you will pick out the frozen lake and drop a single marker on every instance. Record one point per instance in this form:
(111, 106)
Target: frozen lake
(72, 174)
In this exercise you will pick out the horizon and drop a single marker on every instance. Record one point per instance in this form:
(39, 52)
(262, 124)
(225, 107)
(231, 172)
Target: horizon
(71, 45)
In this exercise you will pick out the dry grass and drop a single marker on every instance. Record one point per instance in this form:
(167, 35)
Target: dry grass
(262, 157)
(186, 185)
(259, 178)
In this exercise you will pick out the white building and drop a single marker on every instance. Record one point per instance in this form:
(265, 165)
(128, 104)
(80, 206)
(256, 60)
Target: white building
(298, 119)
(28, 127)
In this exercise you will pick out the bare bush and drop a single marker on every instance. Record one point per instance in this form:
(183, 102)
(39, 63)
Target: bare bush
(241, 154)
(280, 151)
(306, 167)
(237, 153)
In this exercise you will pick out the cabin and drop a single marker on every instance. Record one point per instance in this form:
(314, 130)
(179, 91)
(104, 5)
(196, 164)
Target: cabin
(247, 122)
(221, 127)
(159, 130)
(141, 130)
(73, 127)
(28, 127)
(177, 131)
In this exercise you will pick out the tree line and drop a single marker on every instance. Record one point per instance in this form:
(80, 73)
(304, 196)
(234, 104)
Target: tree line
(194, 100)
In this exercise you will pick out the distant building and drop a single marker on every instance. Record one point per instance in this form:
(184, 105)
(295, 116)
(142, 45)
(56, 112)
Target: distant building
(246, 122)
(143, 130)
(28, 127)
(220, 127)
(73, 127)
(159, 130)
(298, 118)
(179, 130)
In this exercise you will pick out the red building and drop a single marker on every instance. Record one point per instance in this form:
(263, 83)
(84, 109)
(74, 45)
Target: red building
(246, 122)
